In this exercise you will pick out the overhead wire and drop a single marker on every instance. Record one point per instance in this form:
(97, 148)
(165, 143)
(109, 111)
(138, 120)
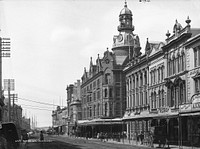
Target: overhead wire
(39, 102)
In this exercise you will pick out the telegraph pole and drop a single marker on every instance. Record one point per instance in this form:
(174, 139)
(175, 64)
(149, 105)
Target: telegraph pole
(4, 52)
(9, 86)
(14, 98)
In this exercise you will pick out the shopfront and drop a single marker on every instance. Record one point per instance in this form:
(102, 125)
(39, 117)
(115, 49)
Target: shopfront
(190, 122)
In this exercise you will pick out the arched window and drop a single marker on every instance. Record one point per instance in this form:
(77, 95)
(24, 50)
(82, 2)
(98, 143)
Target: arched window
(163, 98)
(174, 66)
(183, 62)
(181, 94)
(110, 92)
(159, 102)
(105, 92)
(155, 106)
(106, 109)
(107, 78)
(172, 96)
(169, 68)
(141, 80)
(152, 101)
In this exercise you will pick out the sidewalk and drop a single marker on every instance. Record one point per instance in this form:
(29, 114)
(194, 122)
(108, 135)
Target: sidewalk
(134, 143)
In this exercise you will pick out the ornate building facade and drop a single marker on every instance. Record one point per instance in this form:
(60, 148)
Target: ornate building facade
(162, 87)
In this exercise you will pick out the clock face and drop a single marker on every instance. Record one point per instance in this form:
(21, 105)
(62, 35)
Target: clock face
(107, 61)
(120, 37)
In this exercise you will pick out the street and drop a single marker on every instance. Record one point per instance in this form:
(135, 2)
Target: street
(63, 142)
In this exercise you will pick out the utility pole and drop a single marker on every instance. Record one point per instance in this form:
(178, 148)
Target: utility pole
(4, 52)
(14, 98)
(9, 86)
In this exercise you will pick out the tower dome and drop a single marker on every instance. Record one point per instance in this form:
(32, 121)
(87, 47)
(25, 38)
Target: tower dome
(125, 11)
(125, 19)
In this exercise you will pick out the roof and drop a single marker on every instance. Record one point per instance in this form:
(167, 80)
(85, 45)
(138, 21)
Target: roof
(125, 10)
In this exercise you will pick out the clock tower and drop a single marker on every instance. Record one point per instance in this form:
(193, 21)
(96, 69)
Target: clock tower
(126, 45)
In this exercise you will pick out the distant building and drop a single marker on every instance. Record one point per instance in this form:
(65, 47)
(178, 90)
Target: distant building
(74, 106)
(59, 120)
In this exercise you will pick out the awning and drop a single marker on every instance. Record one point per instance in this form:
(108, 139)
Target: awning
(159, 114)
(100, 122)
(190, 114)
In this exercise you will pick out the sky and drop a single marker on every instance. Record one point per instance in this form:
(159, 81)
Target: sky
(52, 41)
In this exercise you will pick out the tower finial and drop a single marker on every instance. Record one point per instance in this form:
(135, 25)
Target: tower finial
(125, 4)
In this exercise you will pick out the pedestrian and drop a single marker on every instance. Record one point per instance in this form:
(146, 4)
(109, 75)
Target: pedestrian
(3, 142)
(41, 136)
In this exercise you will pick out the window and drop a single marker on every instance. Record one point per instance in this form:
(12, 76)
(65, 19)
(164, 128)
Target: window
(94, 84)
(94, 96)
(98, 94)
(110, 92)
(183, 62)
(197, 85)
(106, 109)
(98, 109)
(133, 82)
(181, 94)
(174, 66)
(107, 78)
(152, 101)
(172, 97)
(146, 102)
(197, 56)
(94, 111)
(163, 99)
(105, 92)
(133, 100)
(145, 78)
(177, 64)
(141, 98)
(141, 80)
(98, 83)
(160, 98)
(90, 111)
(162, 72)
(158, 74)
(155, 106)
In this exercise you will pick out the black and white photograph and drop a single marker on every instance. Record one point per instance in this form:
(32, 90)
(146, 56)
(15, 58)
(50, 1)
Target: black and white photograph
(104, 74)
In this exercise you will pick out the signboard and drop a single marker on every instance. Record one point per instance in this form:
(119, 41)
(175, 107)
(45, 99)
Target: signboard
(196, 102)
(9, 84)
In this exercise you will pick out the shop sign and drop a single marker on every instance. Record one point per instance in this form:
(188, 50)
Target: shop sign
(196, 102)
(163, 110)
(194, 71)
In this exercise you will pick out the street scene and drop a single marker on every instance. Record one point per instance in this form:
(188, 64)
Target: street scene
(84, 74)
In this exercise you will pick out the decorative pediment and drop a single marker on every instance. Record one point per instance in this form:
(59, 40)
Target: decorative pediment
(168, 83)
(197, 75)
